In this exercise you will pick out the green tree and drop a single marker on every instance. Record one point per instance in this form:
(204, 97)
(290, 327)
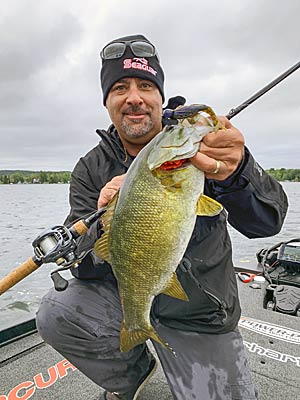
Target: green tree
(53, 178)
(17, 177)
(5, 179)
(43, 177)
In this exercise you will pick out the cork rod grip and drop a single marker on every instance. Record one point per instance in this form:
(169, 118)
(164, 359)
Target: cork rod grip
(17, 275)
(80, 228)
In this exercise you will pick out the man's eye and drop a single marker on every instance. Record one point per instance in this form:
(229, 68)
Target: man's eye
(147, 85)
(119, 87)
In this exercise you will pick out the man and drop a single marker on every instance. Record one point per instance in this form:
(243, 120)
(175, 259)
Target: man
(83, 322)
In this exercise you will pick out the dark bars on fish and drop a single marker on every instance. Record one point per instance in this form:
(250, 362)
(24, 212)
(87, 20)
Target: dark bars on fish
(234, 111)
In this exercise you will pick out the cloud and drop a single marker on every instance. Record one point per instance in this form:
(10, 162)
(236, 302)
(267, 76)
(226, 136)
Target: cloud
(36, 40)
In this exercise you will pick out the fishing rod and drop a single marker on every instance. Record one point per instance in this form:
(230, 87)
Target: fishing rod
(55, 245)
(234, 111)
(172, 114)
(58, 244)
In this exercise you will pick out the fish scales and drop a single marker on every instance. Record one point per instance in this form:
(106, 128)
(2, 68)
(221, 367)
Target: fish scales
(149, 226)
(145, 241)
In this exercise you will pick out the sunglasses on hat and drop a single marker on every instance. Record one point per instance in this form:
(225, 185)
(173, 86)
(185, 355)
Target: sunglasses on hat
(138, 47)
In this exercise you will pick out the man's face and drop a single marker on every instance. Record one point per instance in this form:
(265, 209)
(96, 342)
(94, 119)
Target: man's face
(135, 108)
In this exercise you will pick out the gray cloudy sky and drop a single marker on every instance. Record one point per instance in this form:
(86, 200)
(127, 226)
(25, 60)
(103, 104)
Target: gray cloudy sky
(213, 52)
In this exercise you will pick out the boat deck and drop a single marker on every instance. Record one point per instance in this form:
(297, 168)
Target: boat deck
(31, 369)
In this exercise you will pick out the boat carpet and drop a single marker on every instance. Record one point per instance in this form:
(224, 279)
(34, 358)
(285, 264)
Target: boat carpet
(31, 369)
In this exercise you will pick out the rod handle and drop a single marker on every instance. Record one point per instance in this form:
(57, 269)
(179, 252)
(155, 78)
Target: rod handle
(18, 274)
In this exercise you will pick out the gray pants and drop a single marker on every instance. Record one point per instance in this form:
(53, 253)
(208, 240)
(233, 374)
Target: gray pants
(83, 324)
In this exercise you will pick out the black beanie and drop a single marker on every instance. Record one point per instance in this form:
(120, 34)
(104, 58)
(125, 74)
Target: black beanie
(131, 66)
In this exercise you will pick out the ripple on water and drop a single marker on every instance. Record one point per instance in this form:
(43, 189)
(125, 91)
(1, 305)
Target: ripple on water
(20, 305)
(9, 226)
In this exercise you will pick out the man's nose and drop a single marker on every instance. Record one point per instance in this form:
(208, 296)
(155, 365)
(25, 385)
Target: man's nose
(134, 96)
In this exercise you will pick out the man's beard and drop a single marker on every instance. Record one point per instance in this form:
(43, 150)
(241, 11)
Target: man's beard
(138, 129)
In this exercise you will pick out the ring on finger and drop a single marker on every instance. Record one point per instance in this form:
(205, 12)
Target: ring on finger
(218, 166)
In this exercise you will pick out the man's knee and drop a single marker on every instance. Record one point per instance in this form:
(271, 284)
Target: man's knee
(48, 318)
(82, 319)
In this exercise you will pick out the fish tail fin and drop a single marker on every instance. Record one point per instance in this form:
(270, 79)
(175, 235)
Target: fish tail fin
(130, 339)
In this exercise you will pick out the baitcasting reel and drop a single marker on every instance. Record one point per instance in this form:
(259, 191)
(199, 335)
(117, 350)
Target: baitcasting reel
(56, 245)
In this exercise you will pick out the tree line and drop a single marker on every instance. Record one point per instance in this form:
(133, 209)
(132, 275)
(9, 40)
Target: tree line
(284, 174)
(15, 177)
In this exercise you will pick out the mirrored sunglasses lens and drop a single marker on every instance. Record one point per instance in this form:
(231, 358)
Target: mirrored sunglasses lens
(143, 49)
(114, 50)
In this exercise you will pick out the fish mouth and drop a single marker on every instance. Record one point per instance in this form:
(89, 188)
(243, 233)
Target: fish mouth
(174, 165)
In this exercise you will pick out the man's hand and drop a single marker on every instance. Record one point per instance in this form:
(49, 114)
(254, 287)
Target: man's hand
(109, 190)
(220, 153)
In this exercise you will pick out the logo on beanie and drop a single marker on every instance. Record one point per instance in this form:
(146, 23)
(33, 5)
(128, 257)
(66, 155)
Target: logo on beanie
(138, 63)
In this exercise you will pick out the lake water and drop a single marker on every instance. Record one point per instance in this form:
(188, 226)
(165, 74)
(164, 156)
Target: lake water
(27, 210)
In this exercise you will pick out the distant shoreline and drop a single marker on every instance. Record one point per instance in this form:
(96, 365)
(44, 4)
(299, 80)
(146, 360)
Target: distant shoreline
(8, 177)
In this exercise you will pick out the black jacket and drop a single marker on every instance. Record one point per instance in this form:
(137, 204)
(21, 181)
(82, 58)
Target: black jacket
(255, 205)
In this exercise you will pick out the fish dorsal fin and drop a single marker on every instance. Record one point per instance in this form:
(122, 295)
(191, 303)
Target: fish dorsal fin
(174, 289)
(101, 247)
(206, 206)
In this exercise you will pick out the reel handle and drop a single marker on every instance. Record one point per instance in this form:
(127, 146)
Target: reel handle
(59, 282)
(18, 274)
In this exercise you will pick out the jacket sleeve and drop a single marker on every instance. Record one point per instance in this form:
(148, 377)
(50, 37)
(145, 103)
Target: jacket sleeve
(83, 198)
(256, 203)
(85, 186)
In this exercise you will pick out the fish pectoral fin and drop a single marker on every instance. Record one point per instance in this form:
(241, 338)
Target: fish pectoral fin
(174, 289)
(206, 206)
(101, 246)
(130, 339)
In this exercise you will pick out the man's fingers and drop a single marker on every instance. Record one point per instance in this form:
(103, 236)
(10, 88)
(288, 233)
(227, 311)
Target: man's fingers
(109, 193)
(220, 153)
(109, 190)
(224, 121)
(203, 162)
(117, 180)
(106, 196)
(213, 168)
(224, 139)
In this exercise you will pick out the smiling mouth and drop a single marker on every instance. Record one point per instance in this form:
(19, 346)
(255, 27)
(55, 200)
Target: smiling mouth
(135, 116)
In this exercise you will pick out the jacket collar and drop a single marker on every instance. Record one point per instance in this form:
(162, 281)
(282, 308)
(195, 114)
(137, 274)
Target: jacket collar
(114, 146)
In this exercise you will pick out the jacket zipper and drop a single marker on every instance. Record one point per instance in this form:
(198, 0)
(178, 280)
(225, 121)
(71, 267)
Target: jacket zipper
(186, 266)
